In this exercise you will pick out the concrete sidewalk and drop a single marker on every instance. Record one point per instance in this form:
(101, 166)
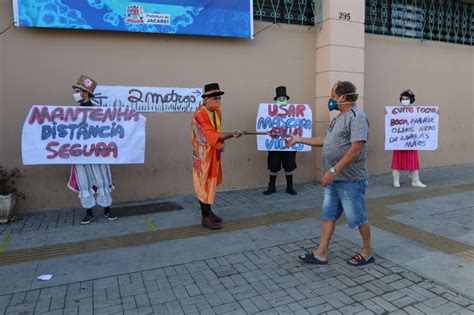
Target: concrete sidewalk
(423, 244)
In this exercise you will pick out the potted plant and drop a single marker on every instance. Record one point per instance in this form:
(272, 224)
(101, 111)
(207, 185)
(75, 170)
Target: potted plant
(8, 191)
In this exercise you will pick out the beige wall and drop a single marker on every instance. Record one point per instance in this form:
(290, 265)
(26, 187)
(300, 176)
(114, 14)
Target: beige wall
(439, 74)
(39, 67)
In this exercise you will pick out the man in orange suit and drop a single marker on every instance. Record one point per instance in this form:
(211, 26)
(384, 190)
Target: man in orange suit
(208, 143)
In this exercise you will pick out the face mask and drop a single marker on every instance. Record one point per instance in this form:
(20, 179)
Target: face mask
(77, 97)
(334, 105)
(282, 102)
(405, 102)
(213, 106)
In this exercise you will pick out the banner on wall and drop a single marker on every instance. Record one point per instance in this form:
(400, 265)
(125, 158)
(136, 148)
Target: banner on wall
(83, 135)
(148, 99)
(229, 18)
(411, 128)
(283, 119)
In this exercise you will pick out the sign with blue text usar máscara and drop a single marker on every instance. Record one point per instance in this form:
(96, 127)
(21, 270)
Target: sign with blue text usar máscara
(283, 119)
(227, 18)
(83, 135)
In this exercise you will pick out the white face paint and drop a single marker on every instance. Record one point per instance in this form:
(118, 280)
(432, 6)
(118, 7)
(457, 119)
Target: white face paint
(77, 97)
(405, 102)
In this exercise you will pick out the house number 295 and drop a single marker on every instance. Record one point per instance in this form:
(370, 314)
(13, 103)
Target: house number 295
(346, 16)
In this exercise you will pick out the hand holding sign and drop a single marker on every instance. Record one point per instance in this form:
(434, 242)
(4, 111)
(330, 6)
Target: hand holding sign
(237, 133)
(279, 121)
(291, 141)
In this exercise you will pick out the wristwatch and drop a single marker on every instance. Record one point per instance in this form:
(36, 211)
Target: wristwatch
(332, 170)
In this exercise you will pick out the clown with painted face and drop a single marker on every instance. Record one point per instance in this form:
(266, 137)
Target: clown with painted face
(277, 159)
(93, 182)
(208, 144)
(406, 160)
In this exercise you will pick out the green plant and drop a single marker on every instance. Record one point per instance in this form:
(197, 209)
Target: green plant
(8, 181)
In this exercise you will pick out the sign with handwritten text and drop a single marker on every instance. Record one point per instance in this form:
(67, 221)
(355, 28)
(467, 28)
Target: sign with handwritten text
(411, 128)
(148, 99)
(83, 135)
(283, 119)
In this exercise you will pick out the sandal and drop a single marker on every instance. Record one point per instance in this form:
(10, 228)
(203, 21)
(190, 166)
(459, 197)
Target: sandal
(310, 259)
(361, 261)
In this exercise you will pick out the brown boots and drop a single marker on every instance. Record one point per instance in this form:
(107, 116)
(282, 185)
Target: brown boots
(209, 218)
(210, 223)
(214, 217)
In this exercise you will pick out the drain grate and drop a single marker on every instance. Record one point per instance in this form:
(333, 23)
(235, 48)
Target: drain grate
(124, 211)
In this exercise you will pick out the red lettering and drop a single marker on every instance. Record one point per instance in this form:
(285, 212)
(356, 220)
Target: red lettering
(272, 110)
(67, 150)
(298, 132)
(85, 112)
(292, 111)
(97, 114)
(39, 115)
(58, 113)
(100, 149)
(64, 151)
(398, 110)
(50, 149)
(91, 150)
(284, 109)
(110, 114)
(133, 115)
(71, 114)
(300, 110)
(112, 147)
(122, 114)
(75, 150)
(395, 122)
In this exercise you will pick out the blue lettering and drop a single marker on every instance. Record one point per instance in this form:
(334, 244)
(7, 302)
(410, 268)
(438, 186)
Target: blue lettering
(46, 132)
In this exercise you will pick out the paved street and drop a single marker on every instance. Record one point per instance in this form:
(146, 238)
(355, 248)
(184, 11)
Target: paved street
(165, 263)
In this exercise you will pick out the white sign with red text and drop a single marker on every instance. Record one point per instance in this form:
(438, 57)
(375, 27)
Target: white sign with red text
(283, 119)
(83, 135)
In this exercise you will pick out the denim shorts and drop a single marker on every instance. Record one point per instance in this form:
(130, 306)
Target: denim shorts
(347, 197)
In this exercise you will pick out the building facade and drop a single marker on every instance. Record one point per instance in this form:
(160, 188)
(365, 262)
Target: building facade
(382, 46)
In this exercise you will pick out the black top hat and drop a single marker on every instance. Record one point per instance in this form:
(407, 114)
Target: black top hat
(280, 91)
(212, 89)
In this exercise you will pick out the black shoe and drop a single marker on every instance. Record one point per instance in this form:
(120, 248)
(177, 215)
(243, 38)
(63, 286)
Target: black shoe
(289, 185)
(87, 219)
(109, 216)
(271, 185)
(269, 191)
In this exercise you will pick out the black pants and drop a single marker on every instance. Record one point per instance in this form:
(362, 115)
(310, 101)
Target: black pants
(205, 208)
(277, 159)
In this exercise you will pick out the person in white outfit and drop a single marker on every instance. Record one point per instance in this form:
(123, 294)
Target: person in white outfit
(93, 182)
